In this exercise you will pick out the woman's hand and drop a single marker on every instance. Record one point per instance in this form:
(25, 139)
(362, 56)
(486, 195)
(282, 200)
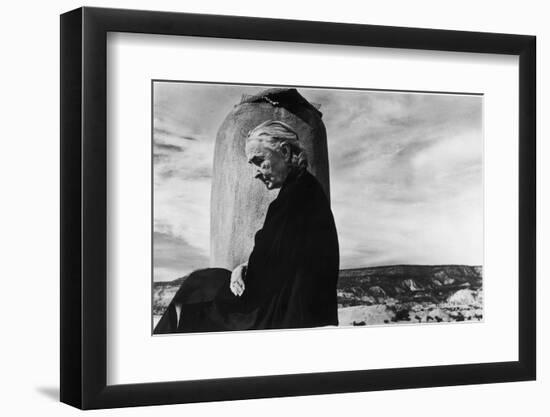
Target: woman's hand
(236, 285)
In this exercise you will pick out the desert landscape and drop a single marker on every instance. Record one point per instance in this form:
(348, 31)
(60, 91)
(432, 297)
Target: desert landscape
(387, 295)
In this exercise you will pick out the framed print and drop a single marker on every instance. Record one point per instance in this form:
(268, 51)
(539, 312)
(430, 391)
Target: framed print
(256, 208)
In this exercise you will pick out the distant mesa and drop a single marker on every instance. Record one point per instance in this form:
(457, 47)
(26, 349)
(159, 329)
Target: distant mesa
(391, 294)
(407, 283)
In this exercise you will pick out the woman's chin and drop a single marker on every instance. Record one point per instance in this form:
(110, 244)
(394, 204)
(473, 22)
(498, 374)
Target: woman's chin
(270, 185)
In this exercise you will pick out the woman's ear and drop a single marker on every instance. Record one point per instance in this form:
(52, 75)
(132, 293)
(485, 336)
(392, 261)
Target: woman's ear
(286, 152)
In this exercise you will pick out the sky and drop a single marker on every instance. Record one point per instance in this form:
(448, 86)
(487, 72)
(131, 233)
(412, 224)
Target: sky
(406, 174)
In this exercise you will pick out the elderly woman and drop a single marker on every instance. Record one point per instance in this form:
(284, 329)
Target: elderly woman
(290, 278)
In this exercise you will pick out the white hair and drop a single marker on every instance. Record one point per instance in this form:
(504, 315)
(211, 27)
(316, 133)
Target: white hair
(274, 134)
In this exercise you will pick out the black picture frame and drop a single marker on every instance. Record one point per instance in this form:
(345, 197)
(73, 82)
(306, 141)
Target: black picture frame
(84, 207)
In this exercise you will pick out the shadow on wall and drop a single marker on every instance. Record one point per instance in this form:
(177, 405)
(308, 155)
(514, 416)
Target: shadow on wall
(50, 392)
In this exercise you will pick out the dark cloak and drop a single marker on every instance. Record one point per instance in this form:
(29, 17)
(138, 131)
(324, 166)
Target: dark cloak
(291, 275)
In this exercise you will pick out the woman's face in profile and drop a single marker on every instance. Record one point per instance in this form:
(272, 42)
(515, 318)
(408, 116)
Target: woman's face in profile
(270, 166)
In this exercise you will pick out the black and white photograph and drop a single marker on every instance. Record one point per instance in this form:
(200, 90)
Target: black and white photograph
(275, 209)
(285, 207)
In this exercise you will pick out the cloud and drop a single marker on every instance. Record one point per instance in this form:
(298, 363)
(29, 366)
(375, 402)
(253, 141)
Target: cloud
(160, 132)
(182, 209)
(174, 257)
(406, 176)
